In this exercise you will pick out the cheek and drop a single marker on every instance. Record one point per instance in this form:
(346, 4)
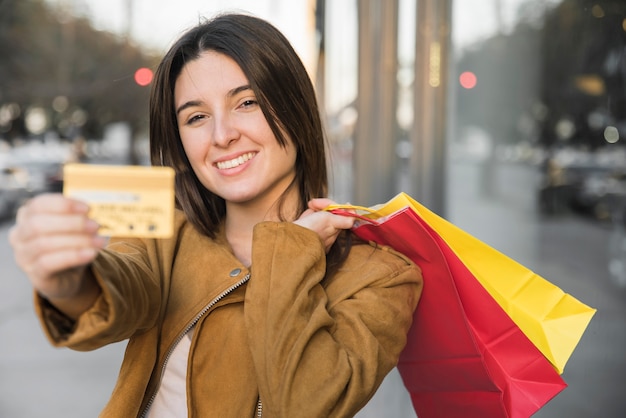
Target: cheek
(194, 149)
(196, 154)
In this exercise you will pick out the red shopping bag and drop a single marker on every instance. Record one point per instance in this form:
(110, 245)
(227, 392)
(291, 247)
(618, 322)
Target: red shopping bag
(464, 357)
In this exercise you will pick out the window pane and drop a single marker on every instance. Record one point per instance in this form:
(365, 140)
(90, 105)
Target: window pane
(537, 163)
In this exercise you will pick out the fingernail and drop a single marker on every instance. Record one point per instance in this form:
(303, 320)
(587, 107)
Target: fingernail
(80, 207)
(101, 241)
(91, 225)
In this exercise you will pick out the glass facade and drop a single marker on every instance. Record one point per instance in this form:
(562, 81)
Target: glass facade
(534, 156)
(536, 163)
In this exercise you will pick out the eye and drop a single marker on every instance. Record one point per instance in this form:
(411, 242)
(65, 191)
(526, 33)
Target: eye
(195, 118)
(246, 104)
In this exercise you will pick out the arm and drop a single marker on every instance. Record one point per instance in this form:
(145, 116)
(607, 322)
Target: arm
(83, 291)
(323, 350)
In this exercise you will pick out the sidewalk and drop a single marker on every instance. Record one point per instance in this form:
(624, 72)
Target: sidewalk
(37, 380)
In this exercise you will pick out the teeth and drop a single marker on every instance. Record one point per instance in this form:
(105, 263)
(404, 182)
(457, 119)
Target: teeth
(235, 161)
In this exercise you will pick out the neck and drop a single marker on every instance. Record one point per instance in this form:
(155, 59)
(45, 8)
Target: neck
(242, 217)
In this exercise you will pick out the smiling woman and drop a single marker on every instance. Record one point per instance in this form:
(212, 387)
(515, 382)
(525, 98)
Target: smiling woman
(229, 143)
(260, 288)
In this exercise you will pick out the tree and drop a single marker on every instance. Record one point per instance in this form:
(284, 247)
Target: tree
(52, 56)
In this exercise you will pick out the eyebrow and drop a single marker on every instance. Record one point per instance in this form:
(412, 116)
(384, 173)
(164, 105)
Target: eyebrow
(231, 93)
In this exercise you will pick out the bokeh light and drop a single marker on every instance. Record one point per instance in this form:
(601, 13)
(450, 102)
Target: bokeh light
(611, 134)
(143, 76)
(468, 80)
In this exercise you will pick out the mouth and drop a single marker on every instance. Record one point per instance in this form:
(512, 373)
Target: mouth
(235, 162)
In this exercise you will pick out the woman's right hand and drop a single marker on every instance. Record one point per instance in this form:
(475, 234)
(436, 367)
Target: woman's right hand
(53, 241)
(326, 224)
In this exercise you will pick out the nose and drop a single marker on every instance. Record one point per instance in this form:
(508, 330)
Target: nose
(224, 130)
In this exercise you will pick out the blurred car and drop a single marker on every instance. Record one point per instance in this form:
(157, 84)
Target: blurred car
(40, 176)
(600, 195)
(6, 204)
(21, 179)
(12, 194)
(589, 186)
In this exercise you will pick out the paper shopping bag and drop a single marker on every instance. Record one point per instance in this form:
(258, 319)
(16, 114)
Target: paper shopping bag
(464, 357)
(553, 320)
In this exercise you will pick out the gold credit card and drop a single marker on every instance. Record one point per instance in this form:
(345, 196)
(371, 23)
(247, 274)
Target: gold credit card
(127, 201)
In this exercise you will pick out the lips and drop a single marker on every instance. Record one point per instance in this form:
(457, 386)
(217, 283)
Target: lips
(235, 162)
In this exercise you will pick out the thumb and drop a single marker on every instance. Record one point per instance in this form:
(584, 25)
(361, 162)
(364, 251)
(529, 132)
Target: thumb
(320, 203)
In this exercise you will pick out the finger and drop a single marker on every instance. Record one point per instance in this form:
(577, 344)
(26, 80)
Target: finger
(47, 224)
(51, 263)
(327, 220)
(29, 254)
(45, 231)
(56, 202)
(52, 243)
(320, 203)
(70, 224)
(342, 222)
(44, 205)
(44, 266)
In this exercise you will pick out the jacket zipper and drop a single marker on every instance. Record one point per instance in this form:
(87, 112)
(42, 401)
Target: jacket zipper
(188, 328)
(259, 408)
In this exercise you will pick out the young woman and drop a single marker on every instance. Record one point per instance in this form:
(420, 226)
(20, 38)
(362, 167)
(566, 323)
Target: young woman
(260, 304)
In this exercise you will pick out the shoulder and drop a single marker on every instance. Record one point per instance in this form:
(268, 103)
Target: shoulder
(370, 264)
(180, 220)
(184, 230)
(377, 274)
(371, 255)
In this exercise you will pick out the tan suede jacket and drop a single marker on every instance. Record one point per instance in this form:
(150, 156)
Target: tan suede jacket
(303, 344)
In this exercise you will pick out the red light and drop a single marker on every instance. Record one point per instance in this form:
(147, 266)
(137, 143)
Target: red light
(143, 76)
(468, 80)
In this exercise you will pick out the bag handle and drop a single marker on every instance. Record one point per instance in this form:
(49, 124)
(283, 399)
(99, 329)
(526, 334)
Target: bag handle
(353, 211)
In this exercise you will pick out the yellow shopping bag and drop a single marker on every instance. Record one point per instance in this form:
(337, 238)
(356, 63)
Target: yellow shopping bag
(552, 319)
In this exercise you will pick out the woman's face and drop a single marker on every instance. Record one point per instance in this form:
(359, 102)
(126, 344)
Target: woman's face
(225, 135)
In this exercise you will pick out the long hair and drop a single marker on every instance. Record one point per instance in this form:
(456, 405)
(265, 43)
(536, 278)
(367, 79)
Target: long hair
(285, 95)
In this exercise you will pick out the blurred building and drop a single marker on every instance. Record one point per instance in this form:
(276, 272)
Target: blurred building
(507, 117)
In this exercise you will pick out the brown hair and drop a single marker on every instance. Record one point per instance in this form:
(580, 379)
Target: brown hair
(284, 92)
(282, 87)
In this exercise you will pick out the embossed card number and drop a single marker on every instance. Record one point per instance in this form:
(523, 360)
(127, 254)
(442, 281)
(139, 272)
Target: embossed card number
(127, 201)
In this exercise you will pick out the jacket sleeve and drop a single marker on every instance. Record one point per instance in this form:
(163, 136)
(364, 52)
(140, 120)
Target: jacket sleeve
(128, 303)
(323, 350)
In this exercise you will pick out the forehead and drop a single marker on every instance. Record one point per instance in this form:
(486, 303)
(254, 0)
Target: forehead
(211, 71)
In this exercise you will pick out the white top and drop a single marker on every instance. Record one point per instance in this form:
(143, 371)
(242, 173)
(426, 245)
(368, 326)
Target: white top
(171, 396)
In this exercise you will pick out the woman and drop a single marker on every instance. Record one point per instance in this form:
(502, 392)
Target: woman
(259, 305)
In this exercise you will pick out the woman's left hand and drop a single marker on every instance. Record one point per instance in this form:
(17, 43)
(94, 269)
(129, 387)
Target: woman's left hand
(326, 224)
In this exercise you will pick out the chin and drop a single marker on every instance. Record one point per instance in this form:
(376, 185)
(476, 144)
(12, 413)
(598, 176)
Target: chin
(240, 198)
